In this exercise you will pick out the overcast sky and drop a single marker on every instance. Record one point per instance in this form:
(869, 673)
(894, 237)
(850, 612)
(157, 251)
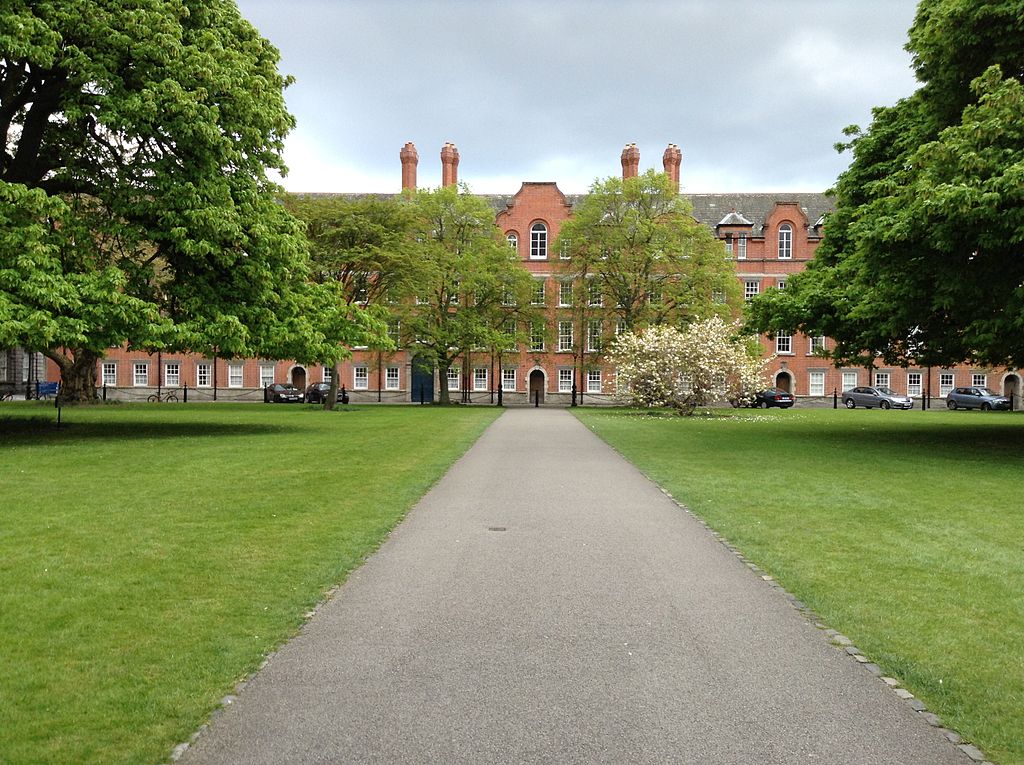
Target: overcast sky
(755, 92)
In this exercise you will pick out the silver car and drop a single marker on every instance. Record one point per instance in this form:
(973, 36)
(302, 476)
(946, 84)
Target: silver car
(872, 396)
(976, 398)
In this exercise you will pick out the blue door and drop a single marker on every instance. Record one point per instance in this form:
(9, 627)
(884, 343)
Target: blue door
(422, 380)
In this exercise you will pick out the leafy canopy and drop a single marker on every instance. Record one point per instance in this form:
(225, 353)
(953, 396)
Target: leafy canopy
(923, 258)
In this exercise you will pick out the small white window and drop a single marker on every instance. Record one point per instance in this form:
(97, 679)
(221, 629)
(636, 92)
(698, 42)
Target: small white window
(508, 379)
(596, 298)
(395, 332)
(785, 242)
(816, 385)
(234, 375)
(565, 381)
(538, 292)
(620, 326)
(360, 378)
(564, 336)
(513, 242)
(537, 338)
(979, 381)
(110, 373)
(882, 379)
(325, 375)
(946, 383)
(728, 245)
(172, 374)
(913, 383)
(781, 284)
(594, 331)
(849, 381)
(783, 343)
(479, 378)
(817, 345)
(741, 252)
(538, 242)
(565, 249)
(453, 378)
(594, 381)
(751, 288)
(267, 375)
(202, 375)
(391, 379)
(564, 294)
(140, 373)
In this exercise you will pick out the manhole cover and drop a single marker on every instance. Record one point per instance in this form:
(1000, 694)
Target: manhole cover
(497, 528)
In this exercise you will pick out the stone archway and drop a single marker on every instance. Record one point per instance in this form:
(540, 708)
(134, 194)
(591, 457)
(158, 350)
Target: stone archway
(537, 386)
(298, 377)
(1011, 389)
(784, 381)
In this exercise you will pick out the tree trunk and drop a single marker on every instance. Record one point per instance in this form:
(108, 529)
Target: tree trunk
(332, 394)
(442, 382)
(77, 375)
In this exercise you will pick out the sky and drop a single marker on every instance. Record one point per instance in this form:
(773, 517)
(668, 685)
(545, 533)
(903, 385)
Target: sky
(756, 93)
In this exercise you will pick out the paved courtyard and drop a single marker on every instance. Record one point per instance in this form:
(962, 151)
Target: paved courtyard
(546, 603)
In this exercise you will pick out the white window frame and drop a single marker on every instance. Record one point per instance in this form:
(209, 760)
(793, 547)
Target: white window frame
(785, 242)
(594, 297)
(360, 377)
(780, 284)
(816, 383)
(479, 378)
(815, 345)
(979, 380)
(564, 380)
(140, 374)
(915, 387)
(883, 380)
(236, 375)
(108, 372)
(538, 241)
(508, 378)
(593, 381)
(325, 374)
(728, 244)
(537, 338)
(513, 241)
(784, 344)
(392, 378)
(204, 374)
(454, 379)
(267, 375)
(751, 288)
(539, 296)
(565, 337)
(595, 330)
(849, 381)
(947, 381)
(564, 249)
(741, 250)
(564, 294)
(172, 374)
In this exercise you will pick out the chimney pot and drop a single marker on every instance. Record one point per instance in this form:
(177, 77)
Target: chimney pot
(449, 165)
(410, 158)
(630, 161)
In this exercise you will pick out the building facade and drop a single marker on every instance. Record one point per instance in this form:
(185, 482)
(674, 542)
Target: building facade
(767, 236)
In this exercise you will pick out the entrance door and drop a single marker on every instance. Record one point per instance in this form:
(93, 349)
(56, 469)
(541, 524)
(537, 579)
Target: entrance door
(422, 380)
(299, 378)
(536, 386)
(1011, 389)
(784, 382)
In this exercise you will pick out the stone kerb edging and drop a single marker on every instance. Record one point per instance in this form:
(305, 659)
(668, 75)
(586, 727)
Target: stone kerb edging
(843, 643)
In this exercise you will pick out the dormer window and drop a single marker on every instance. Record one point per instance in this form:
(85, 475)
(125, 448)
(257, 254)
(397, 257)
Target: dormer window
(785, 242)
(538, 242)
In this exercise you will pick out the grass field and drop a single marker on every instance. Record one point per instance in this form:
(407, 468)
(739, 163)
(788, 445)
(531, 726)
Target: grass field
(903, 530)
(150, 556)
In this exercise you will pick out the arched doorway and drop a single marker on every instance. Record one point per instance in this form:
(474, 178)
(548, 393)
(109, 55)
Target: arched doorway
(299, 378)
(537, 386)
(1011, 389)
(784, 381)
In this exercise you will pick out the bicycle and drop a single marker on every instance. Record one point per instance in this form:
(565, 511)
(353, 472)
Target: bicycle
(169, 396)
(7, 395)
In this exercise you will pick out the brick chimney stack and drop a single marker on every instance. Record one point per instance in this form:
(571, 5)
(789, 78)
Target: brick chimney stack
(449, 165)
(410, 158)
(672, 159)
(630, 161)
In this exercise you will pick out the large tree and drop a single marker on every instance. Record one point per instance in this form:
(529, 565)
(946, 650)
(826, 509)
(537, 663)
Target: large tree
(636, 250)
(135, 203)
(923, 258)
(469, 286)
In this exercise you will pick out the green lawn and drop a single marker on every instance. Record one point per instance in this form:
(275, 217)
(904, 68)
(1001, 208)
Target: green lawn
(151, 555)
(903, 530)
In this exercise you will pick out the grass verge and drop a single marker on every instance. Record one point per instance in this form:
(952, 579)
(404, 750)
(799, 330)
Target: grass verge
(150, 556)
(903, 530)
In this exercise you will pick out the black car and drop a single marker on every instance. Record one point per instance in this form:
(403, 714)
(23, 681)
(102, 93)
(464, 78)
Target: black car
(773, 397)
(317, 393)
(282, 393)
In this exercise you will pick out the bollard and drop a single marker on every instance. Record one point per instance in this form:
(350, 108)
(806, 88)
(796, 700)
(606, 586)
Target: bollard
(536, 399)
(104, 391)
(184, 394)
(573, 395)
(835, 398)
(499, 395)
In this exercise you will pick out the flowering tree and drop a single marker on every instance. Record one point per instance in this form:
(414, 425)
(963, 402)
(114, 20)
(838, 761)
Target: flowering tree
(705, 362)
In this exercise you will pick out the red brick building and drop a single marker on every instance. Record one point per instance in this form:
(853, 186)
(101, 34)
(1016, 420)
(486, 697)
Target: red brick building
(768, 236)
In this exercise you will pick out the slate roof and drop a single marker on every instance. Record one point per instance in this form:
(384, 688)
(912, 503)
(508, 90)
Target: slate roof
(712, 209)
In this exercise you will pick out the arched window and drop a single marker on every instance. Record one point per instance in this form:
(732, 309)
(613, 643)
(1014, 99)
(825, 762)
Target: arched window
(513, 241)
(785, 241)
(538, 242)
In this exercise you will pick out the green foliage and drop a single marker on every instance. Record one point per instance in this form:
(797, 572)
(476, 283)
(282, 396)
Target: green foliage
(636, 244)
(469, 286)
(921, 261)
(136, 140)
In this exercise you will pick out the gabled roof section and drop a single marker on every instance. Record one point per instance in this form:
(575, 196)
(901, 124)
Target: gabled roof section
(734, 219)
(756, 207)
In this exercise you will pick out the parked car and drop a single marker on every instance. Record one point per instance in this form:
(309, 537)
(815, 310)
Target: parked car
(872, 396)
(773, 397)
(282, 393)
(976, 398)
(317, 393)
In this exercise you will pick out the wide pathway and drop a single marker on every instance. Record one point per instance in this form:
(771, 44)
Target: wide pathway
(545, 603)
